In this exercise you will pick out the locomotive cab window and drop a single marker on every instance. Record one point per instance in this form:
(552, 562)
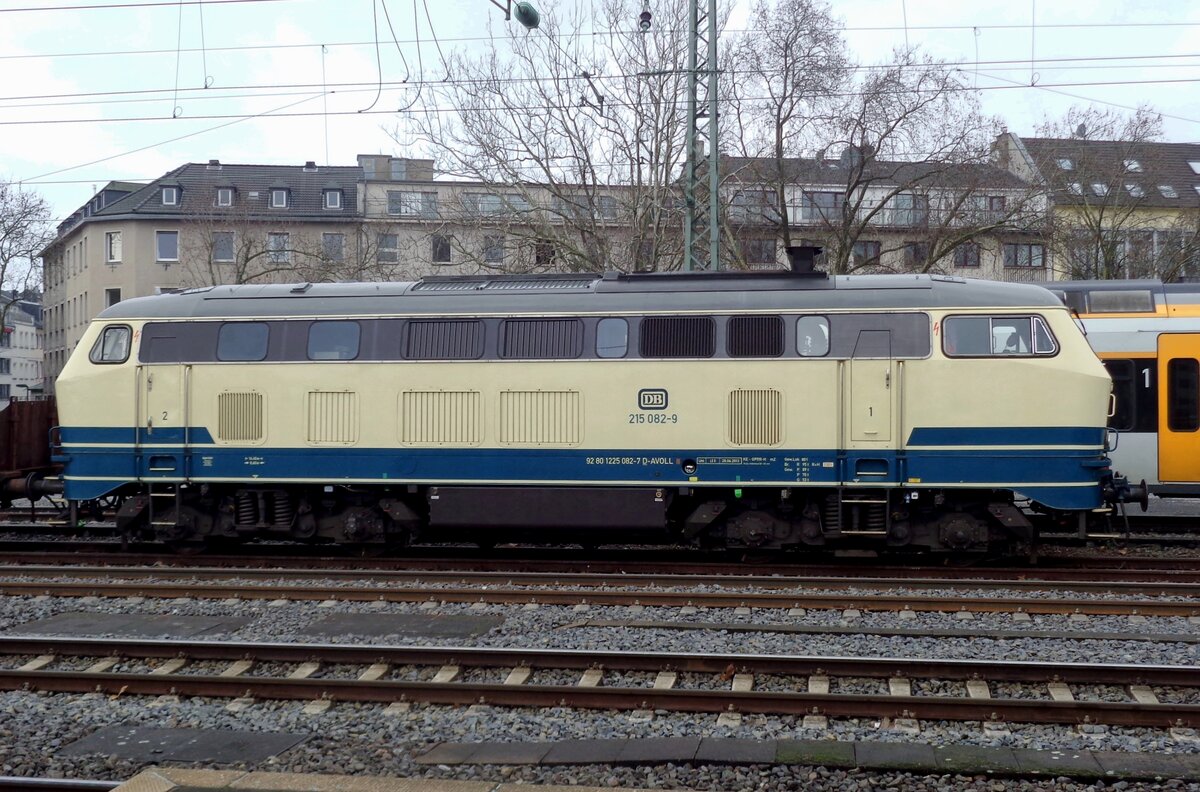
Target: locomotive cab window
(812, 336)
(112, 346)
(997, 336)
(612, 337)
(242, 341)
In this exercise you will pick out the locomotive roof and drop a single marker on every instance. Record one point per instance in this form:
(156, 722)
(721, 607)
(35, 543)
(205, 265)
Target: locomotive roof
(587, 293)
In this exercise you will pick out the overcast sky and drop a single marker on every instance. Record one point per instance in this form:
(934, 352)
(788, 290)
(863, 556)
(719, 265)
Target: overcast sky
(64, 69)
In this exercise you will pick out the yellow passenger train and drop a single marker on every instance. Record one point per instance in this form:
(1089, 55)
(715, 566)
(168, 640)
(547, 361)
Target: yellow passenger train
(1148, 335)
(751, 410)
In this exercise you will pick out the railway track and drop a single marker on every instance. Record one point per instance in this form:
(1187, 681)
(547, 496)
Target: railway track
(435, 675)
(549, 591)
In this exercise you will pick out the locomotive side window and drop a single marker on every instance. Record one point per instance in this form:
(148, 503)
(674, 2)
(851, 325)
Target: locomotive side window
(678, 337)
(1183, 395)
(812, 336)
(755, 336)
(112, 346)
(1121, 301)
(245, 341)
(542, 339)
(997, 336)
(612, 337)
(444, 339)
(333, 340)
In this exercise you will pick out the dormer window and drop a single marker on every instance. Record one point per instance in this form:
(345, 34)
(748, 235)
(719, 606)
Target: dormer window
(1167, 191)
(1135, 190)
(279, 198)
(170, 196)
(1133, 166)
(224, 196)
(1195, 166)
(1100, 189)
(1075, 188)
(333, 199)
(1065, 163)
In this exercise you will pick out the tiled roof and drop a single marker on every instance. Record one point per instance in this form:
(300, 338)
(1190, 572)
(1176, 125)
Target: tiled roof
(813, 172)
(198, 183)
(1104, 161)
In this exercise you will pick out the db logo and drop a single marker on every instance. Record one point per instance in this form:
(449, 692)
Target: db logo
(652, 399)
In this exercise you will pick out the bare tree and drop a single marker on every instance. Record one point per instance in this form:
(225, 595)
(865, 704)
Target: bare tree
(1111, 222)
(575, 140)
(780, 81)
(25, 231)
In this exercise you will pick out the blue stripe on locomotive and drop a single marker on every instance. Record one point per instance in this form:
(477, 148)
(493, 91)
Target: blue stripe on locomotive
(1057, 477)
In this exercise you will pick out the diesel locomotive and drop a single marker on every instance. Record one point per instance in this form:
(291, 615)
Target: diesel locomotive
(762, 410)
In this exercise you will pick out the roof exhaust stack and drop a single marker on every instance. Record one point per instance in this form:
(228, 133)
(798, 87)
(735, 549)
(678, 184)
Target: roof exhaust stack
(801, 258)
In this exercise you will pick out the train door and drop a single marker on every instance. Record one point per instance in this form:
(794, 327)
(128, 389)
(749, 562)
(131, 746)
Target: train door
(869, 407)
(162, 430)
(1179, 407)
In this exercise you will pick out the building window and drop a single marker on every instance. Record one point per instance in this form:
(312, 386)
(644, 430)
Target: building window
(544, 254)
(1065, 163)
(279, 248)
(334, 246)
(1021, 255)
(222, 246)
(111, 297)
(279, 199)
(112, 247)
(170, 196)
(1100, 189)
(1135, 190)
(915, 253)
(967, 255)
(333, 199)
(757, 251)
(1167, 191)
(440, 249)
(5, 395)
(490, 203)
(820, 205)
(493, 249)
(387, 248)
(5, 366)
(910, 210)
(224, 196)
(166, 245)
(1075, 188)
(865, 253)
(753, 206)
(1133, 166)
(412, 204)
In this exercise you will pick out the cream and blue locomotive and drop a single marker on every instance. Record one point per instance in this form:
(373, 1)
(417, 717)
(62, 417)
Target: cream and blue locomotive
(751, 410)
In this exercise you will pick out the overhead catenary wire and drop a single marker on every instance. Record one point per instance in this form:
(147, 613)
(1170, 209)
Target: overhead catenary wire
(152, 4)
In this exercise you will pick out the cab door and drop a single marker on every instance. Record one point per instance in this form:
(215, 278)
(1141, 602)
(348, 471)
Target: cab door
(1179, 407)
(162, 430)
(871, 394)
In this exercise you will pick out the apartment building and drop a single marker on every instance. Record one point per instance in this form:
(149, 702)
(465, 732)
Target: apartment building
(200, 224)
(872, 215)
(20, 348)
(1120, 208)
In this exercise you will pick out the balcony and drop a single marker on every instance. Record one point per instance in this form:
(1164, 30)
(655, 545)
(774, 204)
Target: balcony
(1024, 274)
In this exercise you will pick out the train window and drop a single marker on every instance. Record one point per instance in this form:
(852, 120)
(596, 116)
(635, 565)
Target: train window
(1043, 339)
(444, 339)
(812, 336)
(997, 336)
(1122, 374)
(541, 339)
(612, 337)
(755, 336)
(1183, 395)
(112, 346)
(242, 341)
(1121, 301)
(333, 340)
(677, 337)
